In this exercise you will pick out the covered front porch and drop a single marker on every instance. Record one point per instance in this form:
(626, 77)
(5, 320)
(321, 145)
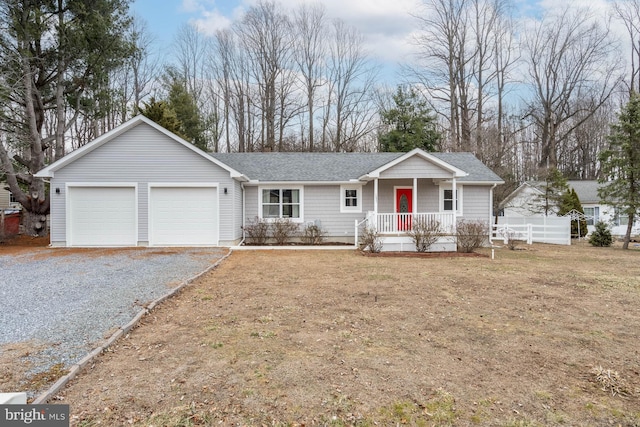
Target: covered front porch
(394, 229)
(415, 189)
(399, 205)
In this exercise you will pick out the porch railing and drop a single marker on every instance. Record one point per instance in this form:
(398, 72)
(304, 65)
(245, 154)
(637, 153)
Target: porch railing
(399, 223)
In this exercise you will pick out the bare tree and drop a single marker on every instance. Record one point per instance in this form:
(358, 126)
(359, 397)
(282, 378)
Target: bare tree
(191, 47)
(444, 53)
(351, 89)
(568, 60)
(265, 32)
(144, 63)
(310, 55)
(628, 12)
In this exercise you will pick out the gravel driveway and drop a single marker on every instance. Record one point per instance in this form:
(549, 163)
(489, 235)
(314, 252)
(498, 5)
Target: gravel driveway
(68, 300)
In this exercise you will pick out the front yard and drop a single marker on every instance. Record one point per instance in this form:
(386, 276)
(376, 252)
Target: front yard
(547, 335)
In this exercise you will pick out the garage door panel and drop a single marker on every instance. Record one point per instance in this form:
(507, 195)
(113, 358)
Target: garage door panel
(183, 216)
(102, 216)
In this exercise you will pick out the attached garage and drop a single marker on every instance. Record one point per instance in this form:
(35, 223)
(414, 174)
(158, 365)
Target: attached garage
(183, 215)
(101, 216)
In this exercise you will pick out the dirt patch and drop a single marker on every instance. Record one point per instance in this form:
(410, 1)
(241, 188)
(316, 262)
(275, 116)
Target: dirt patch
(335, 338)
(22, 243)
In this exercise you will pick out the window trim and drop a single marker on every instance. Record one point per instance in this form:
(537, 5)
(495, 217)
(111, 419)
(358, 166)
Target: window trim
(280, 188)
(457, 200)
(343, 198)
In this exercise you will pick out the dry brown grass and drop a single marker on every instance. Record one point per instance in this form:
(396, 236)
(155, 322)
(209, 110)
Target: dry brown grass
(335, 338)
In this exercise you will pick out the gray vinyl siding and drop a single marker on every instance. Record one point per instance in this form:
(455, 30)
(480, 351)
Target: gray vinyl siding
(4, 196)
(321, 203)
(475, 202)
(415, 167)
(142, 155)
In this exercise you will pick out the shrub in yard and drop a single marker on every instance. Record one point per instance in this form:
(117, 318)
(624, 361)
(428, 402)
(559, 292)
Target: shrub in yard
(471, 235)
(370, 240)
(512, 239)
(283, 229)
(424, 233)
(257, 231)
(601, 236)
(312, 234)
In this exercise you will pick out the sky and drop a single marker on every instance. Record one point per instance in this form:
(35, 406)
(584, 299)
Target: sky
(387, 25)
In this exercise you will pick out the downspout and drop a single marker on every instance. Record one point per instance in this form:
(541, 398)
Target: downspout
(491, 213)
(243, 214)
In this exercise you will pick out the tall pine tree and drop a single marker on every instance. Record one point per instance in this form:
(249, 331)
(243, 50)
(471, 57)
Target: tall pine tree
(621, 164)
(55, 58)
(409, 124)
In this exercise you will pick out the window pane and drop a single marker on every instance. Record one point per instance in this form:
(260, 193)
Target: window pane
(448, 194)
(290, 196)
(588, 212)
(351, 193)
(270, 196)
(351, 202)
(270, 211)
(290, 211)
(448, 205)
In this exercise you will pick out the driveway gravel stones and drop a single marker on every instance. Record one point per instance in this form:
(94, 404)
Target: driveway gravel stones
(68, 300)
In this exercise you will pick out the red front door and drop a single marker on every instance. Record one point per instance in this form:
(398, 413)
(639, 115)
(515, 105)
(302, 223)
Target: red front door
(404, 207)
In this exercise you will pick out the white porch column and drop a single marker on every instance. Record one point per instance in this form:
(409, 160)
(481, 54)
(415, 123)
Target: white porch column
(375, 195)
(455, 203)
(414, 202)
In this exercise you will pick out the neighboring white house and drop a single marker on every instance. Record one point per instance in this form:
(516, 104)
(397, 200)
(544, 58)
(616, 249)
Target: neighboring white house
(528, 200)
(6, 198)
(141, 185)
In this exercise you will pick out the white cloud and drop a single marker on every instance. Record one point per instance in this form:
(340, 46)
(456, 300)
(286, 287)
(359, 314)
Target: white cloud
(385, 25)
(211, 21)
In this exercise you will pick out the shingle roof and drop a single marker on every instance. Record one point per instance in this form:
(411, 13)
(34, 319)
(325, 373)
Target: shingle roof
(469, 163)
(338, 167)
(587, 190)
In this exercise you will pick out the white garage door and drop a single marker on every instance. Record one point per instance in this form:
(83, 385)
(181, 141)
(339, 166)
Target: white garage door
(101, 216)
(183, 216)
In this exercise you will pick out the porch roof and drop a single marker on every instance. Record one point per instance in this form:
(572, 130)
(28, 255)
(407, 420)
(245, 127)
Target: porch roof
(338, 167)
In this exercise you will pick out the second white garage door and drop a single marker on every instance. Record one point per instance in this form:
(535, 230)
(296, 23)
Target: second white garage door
(183, 216)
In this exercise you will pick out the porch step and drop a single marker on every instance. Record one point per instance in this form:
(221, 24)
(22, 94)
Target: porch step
(405, 244)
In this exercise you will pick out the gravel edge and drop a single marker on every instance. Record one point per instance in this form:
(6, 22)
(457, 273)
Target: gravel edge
(75, 369)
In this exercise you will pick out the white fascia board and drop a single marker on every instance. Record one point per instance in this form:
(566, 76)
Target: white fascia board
(477, 182)
(255, 182)
(457, 173)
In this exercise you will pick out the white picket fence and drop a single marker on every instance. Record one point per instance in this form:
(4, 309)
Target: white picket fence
(540, 229)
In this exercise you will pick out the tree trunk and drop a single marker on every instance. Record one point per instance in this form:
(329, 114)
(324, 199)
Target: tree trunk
(627, 235)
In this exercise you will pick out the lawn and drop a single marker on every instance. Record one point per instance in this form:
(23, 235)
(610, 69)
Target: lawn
(545, 335)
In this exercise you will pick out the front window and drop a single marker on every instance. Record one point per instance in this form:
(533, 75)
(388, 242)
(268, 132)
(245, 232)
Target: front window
(449, 201)
(620, 218)
(350, 198)
(592, 215)
(281, 203)
(12, 198)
